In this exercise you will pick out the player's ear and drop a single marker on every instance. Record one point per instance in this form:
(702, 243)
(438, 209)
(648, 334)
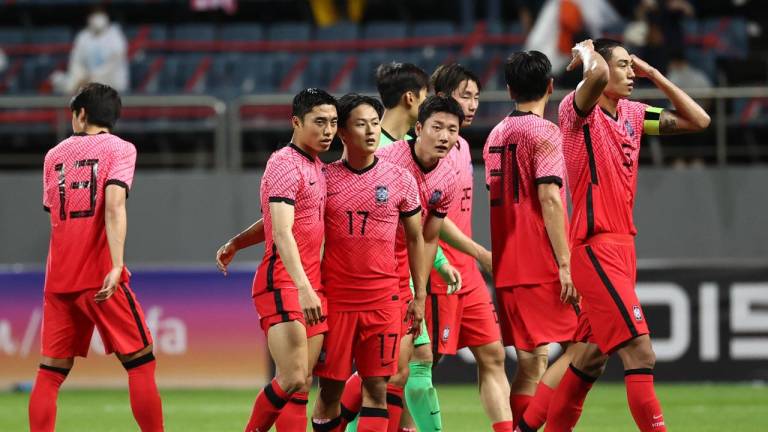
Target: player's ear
(295, 122)
(417, 128)
(551, 86)
(408, 98)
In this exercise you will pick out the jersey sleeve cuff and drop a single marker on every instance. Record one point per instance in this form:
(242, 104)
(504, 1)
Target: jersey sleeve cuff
(550, 179)
(438, 214)
(278, 199)
(46, 209)
(410, 213)
(120, 183)
(578, 111)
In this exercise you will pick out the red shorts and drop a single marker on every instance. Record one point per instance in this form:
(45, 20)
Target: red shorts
(466, 319)
(604, 272)
(533, 315)
(282, 305)
(69, 319)
(369, 338)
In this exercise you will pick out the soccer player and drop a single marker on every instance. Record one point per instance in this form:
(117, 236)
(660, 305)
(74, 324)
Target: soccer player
(467, 319)
(286, 289)
(601, 142)
(367, 199)
(402, 88)
(525, 174)
(86, 179)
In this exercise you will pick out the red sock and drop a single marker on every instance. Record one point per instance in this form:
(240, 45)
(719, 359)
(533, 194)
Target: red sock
(518, 403)
(145, 400)
(536, 413)
(568, 400)
(503, 426)
(351, 400)
(643, 403)
(373, 420)
(42, 401)
(394, 407)
(267, 407)
(293, 417)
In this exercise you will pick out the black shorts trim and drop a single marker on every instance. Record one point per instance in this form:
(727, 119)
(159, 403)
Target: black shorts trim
(410, 213)
(58, 370)
(136, 317)
(374, 412)
(612, 291)
(438, 214)
(120, 183)
(271, 268)
(277, 199)
(549, 180)
(279, 307)
(146, 358)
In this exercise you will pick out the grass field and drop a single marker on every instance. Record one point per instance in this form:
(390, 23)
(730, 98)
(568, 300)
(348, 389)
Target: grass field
(687, 408)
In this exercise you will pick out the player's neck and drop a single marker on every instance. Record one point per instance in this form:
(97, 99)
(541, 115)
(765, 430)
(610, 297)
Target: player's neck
(608, 104)
(359, 161)
(536, 107)
(303, 147)
(93, 130)
(396, 122)
(424, 160)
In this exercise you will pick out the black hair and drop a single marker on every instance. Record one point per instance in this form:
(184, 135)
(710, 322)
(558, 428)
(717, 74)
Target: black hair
(394, 79)
(447, 78)
(309, 98)
(434, 104)
(350, 101)
(604, 47)
(527, 74)
(101, 103)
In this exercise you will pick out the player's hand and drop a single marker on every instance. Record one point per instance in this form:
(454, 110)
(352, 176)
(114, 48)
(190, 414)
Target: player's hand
(415, 315)
(310, 305)
(568, 293)
(111, 281)
(578, 52)
(486, 261)
(451, 276)
(641, 67)
(224, 256)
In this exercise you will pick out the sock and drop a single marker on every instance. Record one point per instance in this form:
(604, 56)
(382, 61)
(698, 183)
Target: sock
(421, 397)
(145, 400)
(42, 400)
(406, 429)
(536, 413)
(322, 425)
(568, 400)
(293, 417)
(643, 403)
(518, 402)
(373, 420)
(394, 407)
(351, 400)
(267, 407)
(503, 426)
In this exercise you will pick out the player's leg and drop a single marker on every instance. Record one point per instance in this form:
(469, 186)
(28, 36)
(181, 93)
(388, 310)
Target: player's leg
(293, 417)
(351, 402)
(142, 389)
(639, 360)
(374, 416)
(42, 401)
(396, 384)
(493, 385)
(326, 414)
(531, 365)
(421, 396)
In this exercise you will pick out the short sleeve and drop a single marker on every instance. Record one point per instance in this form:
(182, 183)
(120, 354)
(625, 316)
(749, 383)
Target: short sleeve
(548, 161)
(46, 196)
(281, 180)
(492, 155)
(444, 201)
(122, 166)
(569, 115)
(410, 204)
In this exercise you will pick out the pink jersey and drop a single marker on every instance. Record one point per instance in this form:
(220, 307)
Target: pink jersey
(522, 152)
(460, 213)
(601, 154)
(361, 218)
(436, 191)
(293, 177)
(75, 175)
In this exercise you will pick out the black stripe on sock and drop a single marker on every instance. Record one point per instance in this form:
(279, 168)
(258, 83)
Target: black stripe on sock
(643, 371)
(581, 374)
(326, 427)
(612, 291)
(136, 316)
(63, 371)
(524, 426)
(146, 358)
(274, 399)
(299, 401)
(374, 412)
(347, 414)
(392, 399)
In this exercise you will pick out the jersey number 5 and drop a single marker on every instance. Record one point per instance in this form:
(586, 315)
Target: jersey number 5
(85, 184)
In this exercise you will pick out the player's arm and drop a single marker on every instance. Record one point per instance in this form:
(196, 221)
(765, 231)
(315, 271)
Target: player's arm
(282, 215)
(419, 271)
(595, 73)
(452, 235)
(553, 212)
(116, 224)
(688, 116)
(252, 235)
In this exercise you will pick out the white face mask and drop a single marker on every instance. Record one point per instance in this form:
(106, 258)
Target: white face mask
(97, 22)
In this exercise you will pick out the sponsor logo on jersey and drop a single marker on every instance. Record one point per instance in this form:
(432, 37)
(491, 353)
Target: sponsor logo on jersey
(382, 194)
(435, 198)
(638, 313)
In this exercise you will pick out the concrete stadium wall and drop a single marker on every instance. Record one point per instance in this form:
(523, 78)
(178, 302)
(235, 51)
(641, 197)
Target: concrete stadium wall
(182, 217)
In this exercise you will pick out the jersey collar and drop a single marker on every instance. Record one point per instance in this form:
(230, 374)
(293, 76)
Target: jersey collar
(301, 152)
(363, 170)
(388, 135)
(412, 145)
(517, 113)
(82, 134)
(616, 118)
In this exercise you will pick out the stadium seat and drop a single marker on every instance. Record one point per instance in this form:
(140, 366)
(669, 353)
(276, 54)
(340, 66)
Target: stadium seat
(384, 30)
(11, 35)
(343, 31)
(54, 34)
(194, 32)
(241, 32)
(295, 31)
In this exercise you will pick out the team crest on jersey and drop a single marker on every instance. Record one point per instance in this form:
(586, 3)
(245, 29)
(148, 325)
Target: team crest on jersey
(435, 198)
(382, 194)
(638, 313)
(446, 334)
(629, 128)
